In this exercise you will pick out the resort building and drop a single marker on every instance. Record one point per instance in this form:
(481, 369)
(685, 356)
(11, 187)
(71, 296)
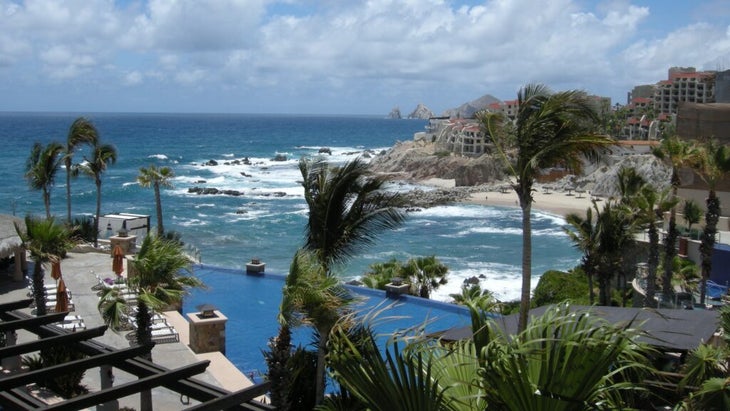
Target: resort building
(457, 135)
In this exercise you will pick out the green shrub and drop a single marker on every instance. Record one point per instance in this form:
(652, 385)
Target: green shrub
(557, 286)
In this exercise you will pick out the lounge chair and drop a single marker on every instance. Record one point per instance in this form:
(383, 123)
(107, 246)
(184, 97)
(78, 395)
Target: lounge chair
(169, 335)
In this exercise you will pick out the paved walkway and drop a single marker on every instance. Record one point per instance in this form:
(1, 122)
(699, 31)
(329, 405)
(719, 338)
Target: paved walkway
(79, 271)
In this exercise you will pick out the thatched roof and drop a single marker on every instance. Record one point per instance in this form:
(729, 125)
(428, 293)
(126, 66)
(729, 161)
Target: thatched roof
(9, 238)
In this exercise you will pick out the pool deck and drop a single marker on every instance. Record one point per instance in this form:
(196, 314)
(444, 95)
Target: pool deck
(78, 273)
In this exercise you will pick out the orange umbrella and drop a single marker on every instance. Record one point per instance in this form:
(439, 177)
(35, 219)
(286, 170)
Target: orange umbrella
(56, 269)
(118, 260)
(61, 297)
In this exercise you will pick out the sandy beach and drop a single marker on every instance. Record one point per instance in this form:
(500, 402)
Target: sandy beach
(546, 199)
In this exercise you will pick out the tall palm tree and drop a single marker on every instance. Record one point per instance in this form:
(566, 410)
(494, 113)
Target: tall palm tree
(347, 209)
(676, 153)
(46, 241)
(102, 156)
(156, 177)
(713, 164)
(583, 232)
(648, 206)
(616, 229)
(159, 282)
(551, 128)
(41, 168)
(82, 131)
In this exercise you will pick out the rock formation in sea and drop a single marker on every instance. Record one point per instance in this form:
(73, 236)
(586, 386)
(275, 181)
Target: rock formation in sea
(394, 114)
(421, 112)
(467, 110)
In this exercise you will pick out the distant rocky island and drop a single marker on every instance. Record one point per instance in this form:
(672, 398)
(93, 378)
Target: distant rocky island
(466, 110)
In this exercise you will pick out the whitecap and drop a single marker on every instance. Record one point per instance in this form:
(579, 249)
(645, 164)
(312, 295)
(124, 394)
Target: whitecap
(158, 156)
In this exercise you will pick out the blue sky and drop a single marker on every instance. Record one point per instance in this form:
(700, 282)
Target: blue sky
(340, 56)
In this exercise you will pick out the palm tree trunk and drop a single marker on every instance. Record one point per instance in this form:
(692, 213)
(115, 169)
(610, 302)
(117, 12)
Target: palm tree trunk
(707, 245)
(68, 192)
(47, 202)
(591, 293)
(158, 204)
(324, 333)
(526, 205)
(670, 248)
(652, 263)
(98, 212)
(39, 292)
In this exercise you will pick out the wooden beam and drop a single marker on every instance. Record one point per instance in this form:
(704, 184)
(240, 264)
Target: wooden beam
(134, 387)
(32, 321)
(15, 305)
(61, 339)
(235, 398)
(17, 380)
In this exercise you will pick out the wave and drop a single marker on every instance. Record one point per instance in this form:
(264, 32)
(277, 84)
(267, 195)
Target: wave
(158, 156)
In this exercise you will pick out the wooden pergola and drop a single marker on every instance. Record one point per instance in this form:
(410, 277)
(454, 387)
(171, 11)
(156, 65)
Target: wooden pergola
(15, 396)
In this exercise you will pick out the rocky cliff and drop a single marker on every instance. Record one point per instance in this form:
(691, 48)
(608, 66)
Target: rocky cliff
(421, 112)
(467, 110)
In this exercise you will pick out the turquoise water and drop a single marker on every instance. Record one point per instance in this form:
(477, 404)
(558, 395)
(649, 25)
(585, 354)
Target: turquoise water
(251, 304)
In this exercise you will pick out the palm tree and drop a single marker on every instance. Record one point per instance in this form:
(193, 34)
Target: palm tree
(426, 274)
(82, 131)
(347, 209)
(102, 156)
(692, 214)
(46, 241)
(41, 168)
(676, 153)
(629, 183)
(538, 369)
(314, 297)
(156, 177)
(616, 228)
(159, 281)
(713, 164)
(648, 205)
(584, 235)
(551, 128)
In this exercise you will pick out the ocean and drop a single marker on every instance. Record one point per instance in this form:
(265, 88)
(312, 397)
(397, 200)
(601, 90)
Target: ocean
(267, 221)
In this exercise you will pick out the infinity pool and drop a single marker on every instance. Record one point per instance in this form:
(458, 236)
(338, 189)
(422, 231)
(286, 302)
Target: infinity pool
(251, 304)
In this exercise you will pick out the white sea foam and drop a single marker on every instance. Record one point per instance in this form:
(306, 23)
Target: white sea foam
(130, 183)
(158, 156)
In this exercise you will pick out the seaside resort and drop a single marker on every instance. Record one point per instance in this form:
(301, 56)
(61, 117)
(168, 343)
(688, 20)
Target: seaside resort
(188, 369)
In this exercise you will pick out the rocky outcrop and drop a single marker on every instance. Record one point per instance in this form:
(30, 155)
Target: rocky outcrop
(394, 114)
(416, 161)
(467, 110)
(421, 112)
(214, 191)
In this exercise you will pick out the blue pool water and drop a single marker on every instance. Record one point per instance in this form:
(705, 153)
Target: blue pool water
(251, 304)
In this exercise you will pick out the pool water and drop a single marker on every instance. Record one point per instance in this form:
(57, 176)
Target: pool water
(251, 304)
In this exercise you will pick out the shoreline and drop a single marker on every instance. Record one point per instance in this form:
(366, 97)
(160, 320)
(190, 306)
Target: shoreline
(545, 199)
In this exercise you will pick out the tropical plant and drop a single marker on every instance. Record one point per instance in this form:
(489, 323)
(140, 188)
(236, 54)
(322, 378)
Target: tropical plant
(557, 286)
(565, 360)
(648, 205)
(551, 128)
(628, 183)
(68, 384)
(46, 241)
(279, 374)
(312, 296)
(82, 131)
(424, 274)
(41, 168)
(692, 214)
(676, 153)
(583, 232)
(713, 163)
(347, 209)
(102, 155)
(616, 228)
(156, 177)
(159, 280)
(473, 294)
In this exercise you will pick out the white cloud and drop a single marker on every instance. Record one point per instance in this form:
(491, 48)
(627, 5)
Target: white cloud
(380, 52)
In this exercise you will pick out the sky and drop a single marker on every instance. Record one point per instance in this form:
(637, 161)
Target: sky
(340, 56)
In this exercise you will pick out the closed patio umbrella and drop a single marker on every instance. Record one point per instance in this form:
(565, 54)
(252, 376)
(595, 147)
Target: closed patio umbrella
(118, 260)
(61, 297)
(56, 269)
